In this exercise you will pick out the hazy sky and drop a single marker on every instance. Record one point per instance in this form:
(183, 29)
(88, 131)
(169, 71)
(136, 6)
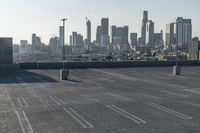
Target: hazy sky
(21, 18)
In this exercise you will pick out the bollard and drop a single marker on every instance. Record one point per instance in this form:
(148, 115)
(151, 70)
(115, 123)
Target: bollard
(64, 74)
(177, 70)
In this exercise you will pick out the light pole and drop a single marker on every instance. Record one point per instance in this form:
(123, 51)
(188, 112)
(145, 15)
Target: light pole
(63, 41)
(64, 72)
(176, 68)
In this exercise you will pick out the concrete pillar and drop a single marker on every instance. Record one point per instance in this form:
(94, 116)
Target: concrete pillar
(177, 70)
(64, 74)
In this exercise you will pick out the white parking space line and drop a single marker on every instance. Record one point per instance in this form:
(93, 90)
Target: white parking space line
(91, 99)
(119, 96)
(19, 101)
(121, 76)
(191, 103)
(196, 91)
(172, 112)
(173, 94)
(20, 121)
(60, 100)
(84, 123)
(126, 114)
(24, 128)
(25, 102)
(53, 99)
(24, 122)
(30, 130)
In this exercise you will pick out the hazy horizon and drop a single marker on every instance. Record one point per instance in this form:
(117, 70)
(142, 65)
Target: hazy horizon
(21, 18)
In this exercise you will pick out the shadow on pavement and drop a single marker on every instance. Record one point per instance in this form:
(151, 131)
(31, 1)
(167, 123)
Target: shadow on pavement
(26, 76)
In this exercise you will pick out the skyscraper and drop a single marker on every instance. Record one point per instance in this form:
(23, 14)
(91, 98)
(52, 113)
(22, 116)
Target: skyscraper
(125, 35)
(113, 33)
(170, 36)
(121, 35)
(77, 39)
(88, 23)
(194, 48)
(158, 39)
(143, 30)
(183, 31)
(105, 26)
(36, 42)
(99, 34)
(150, 33)
(133, 37)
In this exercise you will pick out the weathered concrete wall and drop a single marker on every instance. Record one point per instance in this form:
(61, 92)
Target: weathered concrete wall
(9, 67)
(119, 64)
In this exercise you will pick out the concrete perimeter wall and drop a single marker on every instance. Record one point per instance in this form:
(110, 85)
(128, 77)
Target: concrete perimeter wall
(9, 67)
(118, 64)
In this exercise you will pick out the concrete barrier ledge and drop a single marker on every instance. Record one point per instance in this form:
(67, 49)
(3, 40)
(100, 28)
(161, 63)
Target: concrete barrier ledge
(113, 64)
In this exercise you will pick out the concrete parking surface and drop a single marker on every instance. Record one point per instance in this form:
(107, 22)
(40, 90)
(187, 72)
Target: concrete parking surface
(126, 100)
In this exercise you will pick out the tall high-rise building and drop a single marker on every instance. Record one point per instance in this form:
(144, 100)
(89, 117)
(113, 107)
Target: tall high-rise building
(134, 40)
(105, 26)
(170, 36)
(105, 40)
(183, 31)
(150, 33)
(143, 30)
(158, 39)
(121, 35)
(99, 34)
(36, 42)
(113, 33)
(77, 39)
(74, 38)
(70, 40)
(125, 35)
(194, 49)
(88, 23)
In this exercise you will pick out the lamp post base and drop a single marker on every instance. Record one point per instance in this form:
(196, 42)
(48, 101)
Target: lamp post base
(177, 70)
(64, 74)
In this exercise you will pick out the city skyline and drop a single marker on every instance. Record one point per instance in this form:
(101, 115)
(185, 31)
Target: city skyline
(43, 18)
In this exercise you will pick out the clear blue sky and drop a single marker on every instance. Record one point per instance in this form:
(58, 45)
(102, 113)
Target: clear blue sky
(21, 18)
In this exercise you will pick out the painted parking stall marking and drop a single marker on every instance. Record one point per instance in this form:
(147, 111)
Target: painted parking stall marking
(126, 114)
(24, 122)
(172, 112)
(82, 121)
(91, 99)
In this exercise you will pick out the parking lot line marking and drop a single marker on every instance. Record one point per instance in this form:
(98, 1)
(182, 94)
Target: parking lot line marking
(20, 121)
(30, 129)
(94, 99)
(53, 99)
(126, 114)
(119, 96)
(60, 100)
(91, 99)
(192, 91)
(121, 76)
(25, 102)
(173, 94)
(142, 121)
(191, 103)
(78, 118)
(172, 112)
(18, 99)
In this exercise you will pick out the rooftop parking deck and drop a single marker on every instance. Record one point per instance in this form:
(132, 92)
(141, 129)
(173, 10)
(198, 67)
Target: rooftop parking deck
(121, 100)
